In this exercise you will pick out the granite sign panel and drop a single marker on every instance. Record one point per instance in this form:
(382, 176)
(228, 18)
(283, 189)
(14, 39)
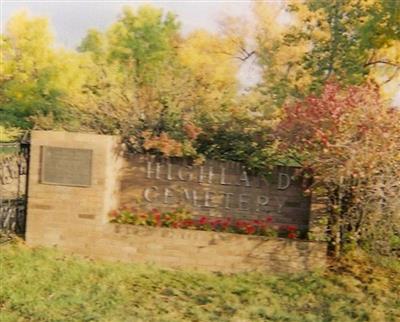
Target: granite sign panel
(214, 189)
(66, 166)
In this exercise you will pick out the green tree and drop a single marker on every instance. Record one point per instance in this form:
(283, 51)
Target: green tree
(352, 41)
(152, 85)
(35, 77)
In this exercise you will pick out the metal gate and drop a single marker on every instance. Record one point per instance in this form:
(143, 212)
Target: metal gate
(14, 158)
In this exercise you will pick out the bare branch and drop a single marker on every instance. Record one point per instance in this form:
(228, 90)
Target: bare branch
(244, 54)
(247, 54)
(391, 77)
(382, 62)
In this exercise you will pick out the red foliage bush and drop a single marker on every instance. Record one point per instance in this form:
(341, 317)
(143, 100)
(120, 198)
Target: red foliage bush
(348, 139)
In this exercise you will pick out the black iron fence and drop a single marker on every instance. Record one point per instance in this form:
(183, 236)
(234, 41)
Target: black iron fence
(13, 187)
(12, 216)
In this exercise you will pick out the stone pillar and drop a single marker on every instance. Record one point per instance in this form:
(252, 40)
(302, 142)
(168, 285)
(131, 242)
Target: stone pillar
(73, 185)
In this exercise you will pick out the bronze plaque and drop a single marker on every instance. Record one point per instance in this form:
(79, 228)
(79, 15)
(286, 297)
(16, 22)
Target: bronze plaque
(66, 166)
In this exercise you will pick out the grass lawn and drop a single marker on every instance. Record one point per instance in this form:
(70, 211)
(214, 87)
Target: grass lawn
(8, 149)
(45, 285)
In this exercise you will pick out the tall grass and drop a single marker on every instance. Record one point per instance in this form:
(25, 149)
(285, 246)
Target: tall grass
(45, 285)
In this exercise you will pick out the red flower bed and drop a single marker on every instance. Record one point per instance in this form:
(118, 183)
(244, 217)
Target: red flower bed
(181, 218)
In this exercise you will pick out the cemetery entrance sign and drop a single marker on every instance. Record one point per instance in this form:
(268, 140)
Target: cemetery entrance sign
(77, 180)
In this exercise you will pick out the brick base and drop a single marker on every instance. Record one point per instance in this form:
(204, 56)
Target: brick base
(210, 251)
